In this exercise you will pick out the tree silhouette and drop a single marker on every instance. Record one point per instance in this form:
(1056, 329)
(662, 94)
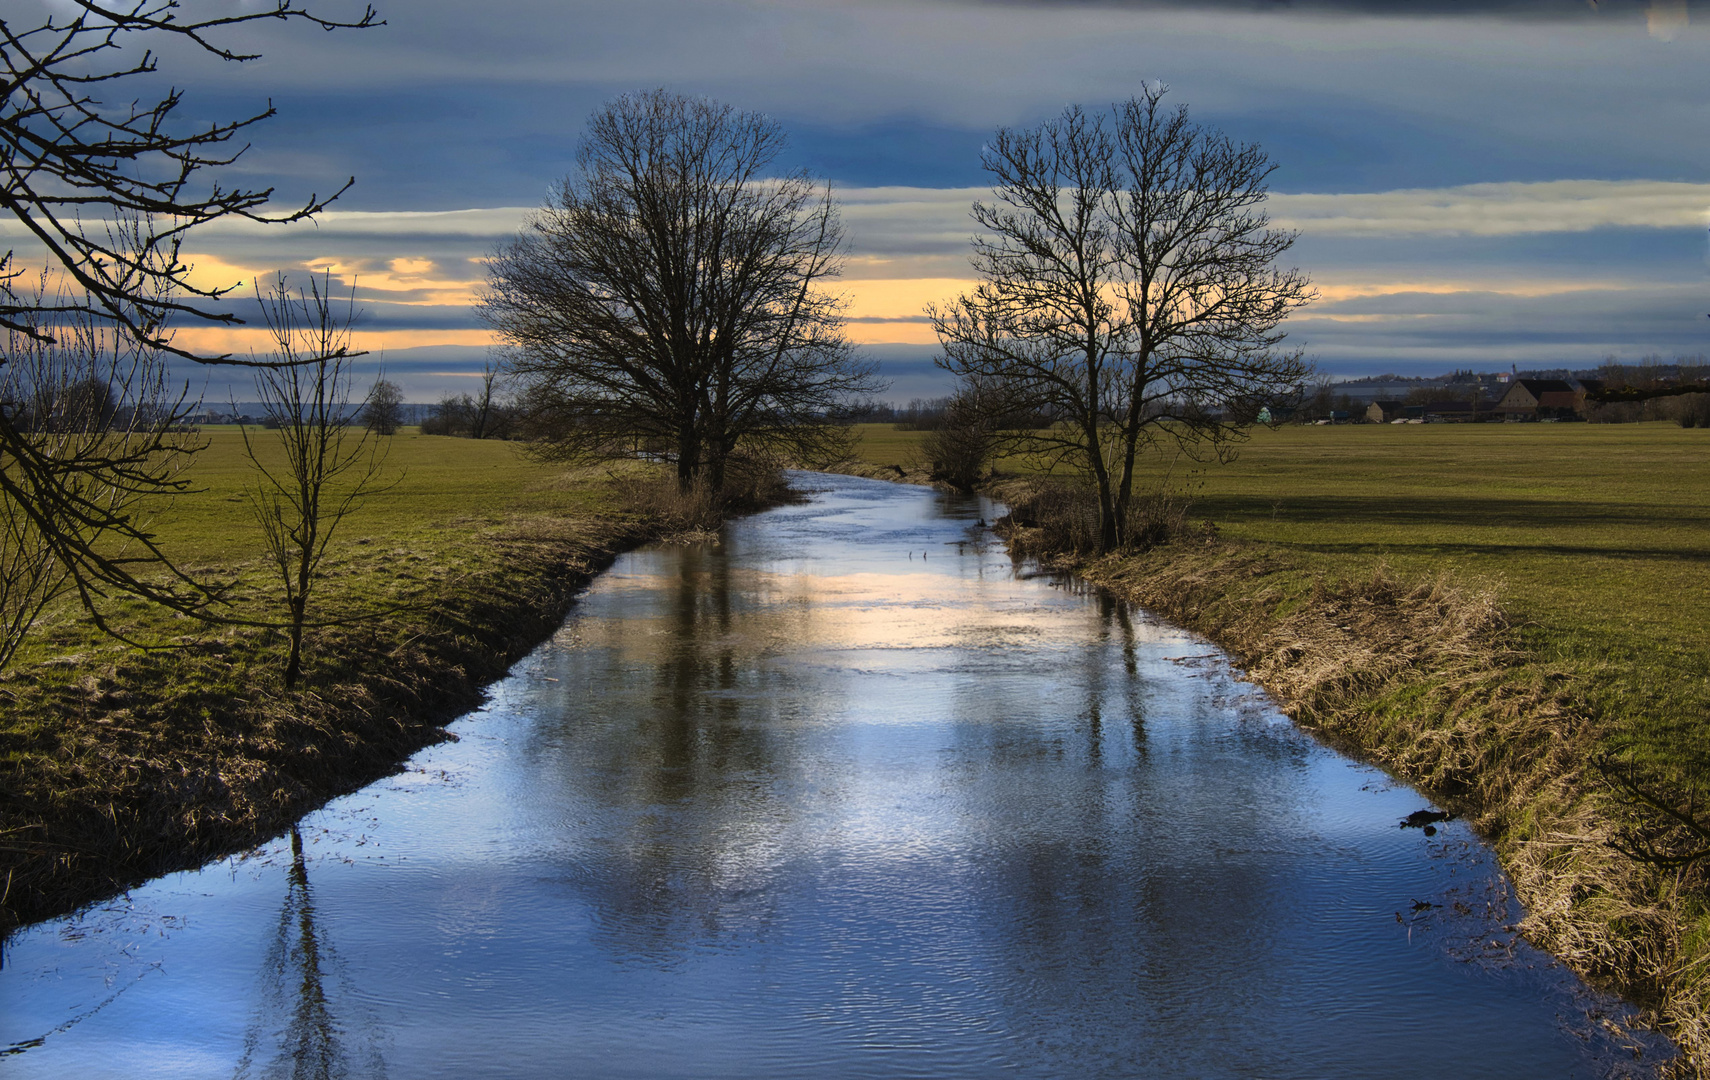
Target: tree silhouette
(1130, 290)
(668, 301)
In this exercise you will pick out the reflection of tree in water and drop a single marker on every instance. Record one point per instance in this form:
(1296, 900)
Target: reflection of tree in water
(693, 771)
(295, 1034)
(1139, 844)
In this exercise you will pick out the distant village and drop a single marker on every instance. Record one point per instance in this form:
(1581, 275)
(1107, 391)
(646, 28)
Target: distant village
(1460, 397)
(1550, 396)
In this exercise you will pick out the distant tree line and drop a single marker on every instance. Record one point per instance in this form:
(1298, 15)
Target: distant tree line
(1652, 389)
(486, 414)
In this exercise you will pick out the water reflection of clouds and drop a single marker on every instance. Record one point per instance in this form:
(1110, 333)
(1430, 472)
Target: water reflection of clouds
(791, 612)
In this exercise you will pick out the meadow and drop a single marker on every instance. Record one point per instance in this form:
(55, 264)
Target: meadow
(421, 526)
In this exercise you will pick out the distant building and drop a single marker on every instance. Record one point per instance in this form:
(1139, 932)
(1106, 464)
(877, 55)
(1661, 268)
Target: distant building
(1539, 399)
(1383, 412)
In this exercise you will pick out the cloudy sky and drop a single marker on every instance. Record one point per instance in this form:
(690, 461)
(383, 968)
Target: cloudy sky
(1483, 185)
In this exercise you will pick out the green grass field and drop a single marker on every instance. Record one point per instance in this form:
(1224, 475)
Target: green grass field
(1594, 537)
(437, 482)
(423, 527)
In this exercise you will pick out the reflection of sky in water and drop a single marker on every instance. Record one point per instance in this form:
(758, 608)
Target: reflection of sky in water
(840, 796)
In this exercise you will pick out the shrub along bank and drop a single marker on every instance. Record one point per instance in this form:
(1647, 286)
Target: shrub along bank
(118, 765)
(1508, 615)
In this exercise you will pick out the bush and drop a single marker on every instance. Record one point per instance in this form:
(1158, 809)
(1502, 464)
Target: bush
(1062, 520)
(971, 427)
(750, 483)
(1691, 410)
(957, 453)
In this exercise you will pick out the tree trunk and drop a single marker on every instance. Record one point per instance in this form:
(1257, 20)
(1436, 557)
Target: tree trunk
(688, 460)
(294, 664)
(1109, 527)
(715, 472)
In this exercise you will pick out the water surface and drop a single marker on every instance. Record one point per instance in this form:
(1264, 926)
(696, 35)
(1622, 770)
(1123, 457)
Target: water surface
(847, 794)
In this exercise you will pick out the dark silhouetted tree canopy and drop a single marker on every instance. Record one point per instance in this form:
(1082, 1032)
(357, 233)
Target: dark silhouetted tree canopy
(669, 300)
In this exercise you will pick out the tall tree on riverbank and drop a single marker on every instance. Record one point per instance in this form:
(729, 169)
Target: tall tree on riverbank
(1130, 291)
(669, 299)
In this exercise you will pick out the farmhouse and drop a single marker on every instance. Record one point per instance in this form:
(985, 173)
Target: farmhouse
(1382, 412)
(1539, 399)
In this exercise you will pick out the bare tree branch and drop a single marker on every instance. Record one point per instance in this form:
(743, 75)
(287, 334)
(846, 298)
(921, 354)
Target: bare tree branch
(91, 430)
(1130, 290)
(66, 153)
(669, 300)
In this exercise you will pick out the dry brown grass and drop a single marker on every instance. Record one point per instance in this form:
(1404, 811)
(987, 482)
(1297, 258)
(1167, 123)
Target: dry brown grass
(1060, 519)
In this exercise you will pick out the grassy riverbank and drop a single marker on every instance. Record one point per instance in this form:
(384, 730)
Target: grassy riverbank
(117, 766)
(1489, 610)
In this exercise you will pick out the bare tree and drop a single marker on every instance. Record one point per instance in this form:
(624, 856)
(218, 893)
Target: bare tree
(105, 183)
(90, 431)
(669, 301)
(485, 415)
(383, 412)
(321, 467)
(1130, 290)
(486, 405)
(70, 158)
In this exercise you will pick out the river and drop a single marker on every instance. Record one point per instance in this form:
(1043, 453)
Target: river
(846, 794)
